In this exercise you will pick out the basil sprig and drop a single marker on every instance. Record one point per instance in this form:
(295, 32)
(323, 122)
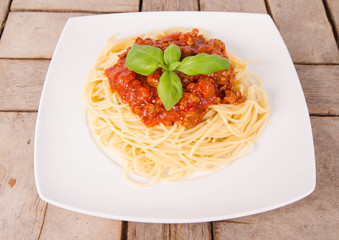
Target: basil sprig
(145, 59)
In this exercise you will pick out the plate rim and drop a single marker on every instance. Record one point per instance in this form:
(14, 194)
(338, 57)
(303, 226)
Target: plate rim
(142, 219)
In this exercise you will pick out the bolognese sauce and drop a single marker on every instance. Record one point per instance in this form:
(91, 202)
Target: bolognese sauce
(199, 91)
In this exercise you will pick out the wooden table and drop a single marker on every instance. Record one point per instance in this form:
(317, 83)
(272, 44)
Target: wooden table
(29, 32)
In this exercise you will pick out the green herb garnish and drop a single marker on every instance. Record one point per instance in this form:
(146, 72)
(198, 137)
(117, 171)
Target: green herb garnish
(145, 59)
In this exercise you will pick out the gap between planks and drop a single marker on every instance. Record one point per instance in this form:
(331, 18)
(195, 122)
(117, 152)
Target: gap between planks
(324, 115)
(64, 11)
(18, 111)
(140, 5)
(212, 232)
(43, 222)
(269, 10)
(124, 230)
(18, 58)
(331, 20)
(316, 64)
(3, 24)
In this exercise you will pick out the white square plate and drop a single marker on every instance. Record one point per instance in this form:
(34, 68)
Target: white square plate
(71, 172)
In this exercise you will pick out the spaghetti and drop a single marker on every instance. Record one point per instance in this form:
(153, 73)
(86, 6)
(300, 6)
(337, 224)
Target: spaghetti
(172, 152)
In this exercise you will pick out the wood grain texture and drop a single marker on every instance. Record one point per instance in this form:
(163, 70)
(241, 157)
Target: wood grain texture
(21, 83)
(333, 6)
(76, 5)
(64, 224)
(314, 217)
(148, 231)
(21, 210)
(4, 8)
(192, 231)
(320, 85)
(32, 34)
(305, 30)
(249, 6)
(169, 5)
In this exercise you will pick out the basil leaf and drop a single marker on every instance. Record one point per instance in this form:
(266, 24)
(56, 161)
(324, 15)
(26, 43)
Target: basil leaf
(203, 64)
(169, 89)
(172, 54)
(174, 65)
(144, 59)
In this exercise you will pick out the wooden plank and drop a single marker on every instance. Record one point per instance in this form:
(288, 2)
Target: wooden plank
(63, 224)
(21, 83)
(76, 5)
(192, 231)
(316, 216)
(250, 6)
(169, 5)
(32, 34)
(148, 231)
(20, 206)
(333, 6)
(4, 8)
(306, 30)
(320, 85)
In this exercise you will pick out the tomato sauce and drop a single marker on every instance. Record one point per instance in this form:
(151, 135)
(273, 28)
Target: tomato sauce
(199, 91)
